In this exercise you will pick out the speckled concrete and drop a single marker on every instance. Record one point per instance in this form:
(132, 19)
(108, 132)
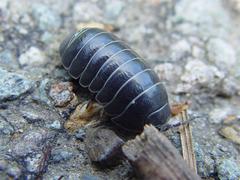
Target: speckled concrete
(192, 45)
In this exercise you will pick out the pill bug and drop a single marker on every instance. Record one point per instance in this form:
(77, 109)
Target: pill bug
(129, 90)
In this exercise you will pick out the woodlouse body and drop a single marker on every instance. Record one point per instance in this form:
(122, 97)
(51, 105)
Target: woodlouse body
(127, 88)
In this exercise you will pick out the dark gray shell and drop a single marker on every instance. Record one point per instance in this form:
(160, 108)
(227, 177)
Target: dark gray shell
(129, 90)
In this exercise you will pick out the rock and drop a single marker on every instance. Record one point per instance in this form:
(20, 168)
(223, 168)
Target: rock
(210, 24)
(217, 115)
(40, 93)
(38, 115)
(197, 52)
(235, 4)
(205, 163)
(16, 123)
(1, 38)
(198, 72)
(230, 87)
(174, 137)
(93, 12)
(47, 37)
(168, 72)
(31, 114)
(3, 164)
(8, 59)
(33, 57)
(59, 155)
(13, 85)
(61, 93)
(228, 169)
(5, 127)
(14, 171)
(80, 134)
(114, 9)
(210, 148)
(22, 30)
(221, 53)
(180, 50)
(89, 177)
(199, 75)
(31, 142)
(33, 162)
(9, 169)
(232, 133)
(32, 150)
(103, 146)
(62, 74)
(26, 19)
(46, 18)
(56, 125)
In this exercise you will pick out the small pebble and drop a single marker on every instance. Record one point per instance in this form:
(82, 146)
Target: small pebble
(225, 59)
(60, 155)
(228, 169)
(89, 177)
(14, 172)
(181, 49)
(56, 125)
(80, 134)
(5, 127)
(61, 93)
(103, 146)
(231, 133)
(13, 85)
(46, 18)
(33, 163)
(33, 57)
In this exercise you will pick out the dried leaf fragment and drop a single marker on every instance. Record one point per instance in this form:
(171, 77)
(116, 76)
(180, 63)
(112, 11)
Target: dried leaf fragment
(82, 115)
(177, 109)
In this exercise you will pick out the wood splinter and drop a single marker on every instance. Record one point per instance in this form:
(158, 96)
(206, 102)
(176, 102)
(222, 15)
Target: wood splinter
(187, 143)
(154, 157)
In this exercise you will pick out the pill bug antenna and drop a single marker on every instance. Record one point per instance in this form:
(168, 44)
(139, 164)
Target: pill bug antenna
(168, 126)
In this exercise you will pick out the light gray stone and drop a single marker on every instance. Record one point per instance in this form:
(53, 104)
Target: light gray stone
(31, 142)
(228, 169)
(33, 163)
(33, 57)
(221, 54)
(59, 155)
(202, 18)
(5, 127)
(230, 87)
(13, 85)
(61, 93)
(46, 18)
(217, 115)
(40, 94)
(114, 9)
(56, 125)
(200, 75)
(86, 11)
(8, 59)
(180, 50)
(168, 72)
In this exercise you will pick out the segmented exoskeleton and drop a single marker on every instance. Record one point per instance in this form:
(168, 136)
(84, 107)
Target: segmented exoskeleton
(129, 90)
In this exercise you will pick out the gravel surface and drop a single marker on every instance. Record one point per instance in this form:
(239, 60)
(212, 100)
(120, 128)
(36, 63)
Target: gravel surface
(192, 45)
